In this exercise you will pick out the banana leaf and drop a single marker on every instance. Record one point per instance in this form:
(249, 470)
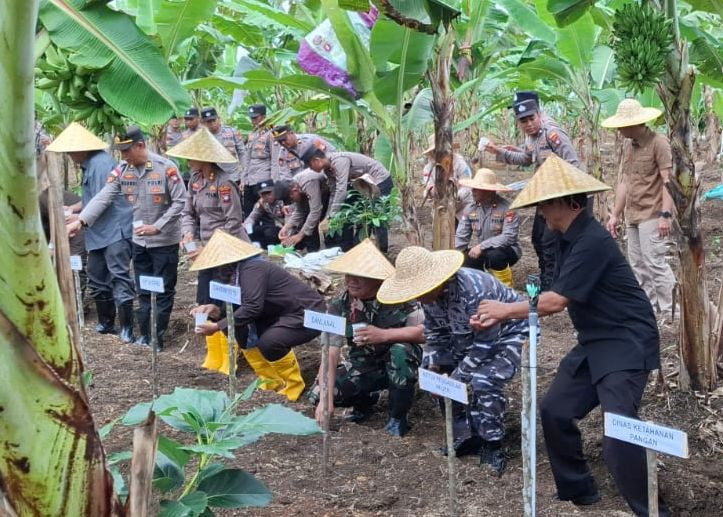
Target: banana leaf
(523, 16)
(576, 41)
(176, 20)
(567, 11)
(137, 82)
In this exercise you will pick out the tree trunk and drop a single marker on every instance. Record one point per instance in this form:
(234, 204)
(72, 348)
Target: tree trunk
(443, 108)
(412, 230)
(697, 350)
(712, 126)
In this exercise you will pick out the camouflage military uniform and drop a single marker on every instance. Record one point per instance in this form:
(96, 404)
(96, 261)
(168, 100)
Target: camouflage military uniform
(374, 368)
(232, 141)
(551, 139)
(486, 360)
(289, 158)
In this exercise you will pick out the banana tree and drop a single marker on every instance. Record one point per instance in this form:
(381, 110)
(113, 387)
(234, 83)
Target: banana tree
(52, 462)
(698, 347)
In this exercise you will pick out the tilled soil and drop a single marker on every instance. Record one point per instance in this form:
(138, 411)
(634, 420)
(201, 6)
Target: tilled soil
(372, 473)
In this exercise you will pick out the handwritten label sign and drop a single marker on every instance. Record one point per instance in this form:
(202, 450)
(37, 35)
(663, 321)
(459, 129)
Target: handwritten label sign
(443, 386)
(646, 434)
(76, 263)
(152, 283)
(325, 322)
(225, 293)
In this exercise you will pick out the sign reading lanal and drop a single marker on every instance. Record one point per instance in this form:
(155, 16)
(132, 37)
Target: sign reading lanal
(325, 322)
(152, 283)
(646, 434)
(76, 263)
(225, 293)
(443, 386)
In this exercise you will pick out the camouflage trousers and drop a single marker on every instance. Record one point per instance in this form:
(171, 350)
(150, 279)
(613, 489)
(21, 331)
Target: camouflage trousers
(370, 369)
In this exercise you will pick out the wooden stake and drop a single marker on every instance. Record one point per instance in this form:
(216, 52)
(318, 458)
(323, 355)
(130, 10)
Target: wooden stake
(231, 351)
(652, 459)
(142, 466)
(154, 347)
(451, 466)
(324, 394)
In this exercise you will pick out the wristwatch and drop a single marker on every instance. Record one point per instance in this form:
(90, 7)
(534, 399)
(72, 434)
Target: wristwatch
(665, 214)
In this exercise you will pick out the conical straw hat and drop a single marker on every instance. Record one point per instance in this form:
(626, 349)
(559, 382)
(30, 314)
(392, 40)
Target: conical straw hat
(363, 260)
(221, 249)
(631, 113)
(485, 179)
(419, 271)
(75, 139)
(556, 178)
(202, 146)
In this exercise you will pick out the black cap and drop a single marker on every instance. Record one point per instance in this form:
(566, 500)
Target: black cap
(266, 186)
(310, 153)
(280, 132)
(256, 110)
(209, 114)
(526, 95)
(123, 141)
(191, 112)
(525, 108)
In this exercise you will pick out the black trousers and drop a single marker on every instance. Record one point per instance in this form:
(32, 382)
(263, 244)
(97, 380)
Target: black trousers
(310, 242)
(203, 289)
(249, 198)
(546, 243)
(275, 341)
(161, 261)
(109, 272)
(571, 397)
(492, 258)
(266, 233)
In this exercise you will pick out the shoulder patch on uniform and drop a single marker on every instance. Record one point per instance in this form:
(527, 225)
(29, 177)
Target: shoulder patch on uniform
(172, 173)
(113, 175)
(510, 216)
(149, 165)
(554, 137)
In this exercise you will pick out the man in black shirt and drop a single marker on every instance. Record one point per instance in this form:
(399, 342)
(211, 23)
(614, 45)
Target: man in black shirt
(618, 342)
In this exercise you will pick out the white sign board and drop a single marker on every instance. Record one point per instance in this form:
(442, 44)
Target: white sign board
(648, 435)
(225, 293)
(325, 322)
(443, 386)
(152, 283)
(76, 263)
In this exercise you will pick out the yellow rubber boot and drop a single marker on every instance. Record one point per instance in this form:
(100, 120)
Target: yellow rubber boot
(503, 275)
(263, 369)
(288, 369)
(215, 351)
(224, 368)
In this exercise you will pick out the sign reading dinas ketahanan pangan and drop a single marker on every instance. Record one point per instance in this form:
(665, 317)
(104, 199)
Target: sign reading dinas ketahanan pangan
(646, 434)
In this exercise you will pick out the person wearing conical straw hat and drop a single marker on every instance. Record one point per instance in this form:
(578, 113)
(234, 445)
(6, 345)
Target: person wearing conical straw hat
(618, 342)
(461, 171)
(543, 137)
(486, 361)
(644, 199)
(493, 225)
(384, 340)
(213, 202)
(272, 300)
(109, 240)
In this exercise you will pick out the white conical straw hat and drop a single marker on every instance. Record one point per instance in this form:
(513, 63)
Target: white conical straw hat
(202, 146)
(221, 249)
(75, 139)
(484, 179)
(419, 271)
(556, 178)
(631, 113)
(364, 260)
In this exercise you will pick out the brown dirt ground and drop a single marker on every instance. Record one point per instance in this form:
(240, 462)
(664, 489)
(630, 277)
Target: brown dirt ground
(374, 474)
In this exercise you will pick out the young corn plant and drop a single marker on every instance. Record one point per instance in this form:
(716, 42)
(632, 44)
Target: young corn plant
(367, 214)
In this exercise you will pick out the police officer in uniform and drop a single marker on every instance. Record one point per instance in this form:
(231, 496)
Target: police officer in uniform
(491, 222)
(543, 137)
(293, 146)
(267, 218)
(153, 185)
(229, 138)
(109, 241)
(309, 192)
(260, 165)
(191, 121)
(174, 135)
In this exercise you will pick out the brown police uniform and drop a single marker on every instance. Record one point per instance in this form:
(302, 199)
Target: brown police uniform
(290, 162)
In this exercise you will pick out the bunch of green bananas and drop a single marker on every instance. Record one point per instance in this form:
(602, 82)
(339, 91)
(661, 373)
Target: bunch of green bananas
(641, 39)
(77, 88)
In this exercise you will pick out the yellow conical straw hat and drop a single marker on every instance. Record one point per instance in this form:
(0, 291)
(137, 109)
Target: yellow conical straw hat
(364, 260)
(419, 271)
(556, 178)
(202, 146)
(485, 179)
(75, 139)
(221, 249)
(631, 113)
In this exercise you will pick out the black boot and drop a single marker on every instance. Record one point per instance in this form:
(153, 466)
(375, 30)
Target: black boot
(465, 446)
(492, 454)
(363, 409)
(144, 326)
(125, 318)
(105, 307)
(400, 401)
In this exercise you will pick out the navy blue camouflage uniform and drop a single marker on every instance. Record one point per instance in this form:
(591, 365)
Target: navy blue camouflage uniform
(485, 360)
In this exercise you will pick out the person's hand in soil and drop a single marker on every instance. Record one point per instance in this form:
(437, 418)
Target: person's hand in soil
(475, 252)
(213, 311)
(370, 335)
(319, 413)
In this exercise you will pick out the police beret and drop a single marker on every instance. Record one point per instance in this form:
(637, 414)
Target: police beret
(127, 138)
(209, 114)
(256, 110)
(191, 112)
